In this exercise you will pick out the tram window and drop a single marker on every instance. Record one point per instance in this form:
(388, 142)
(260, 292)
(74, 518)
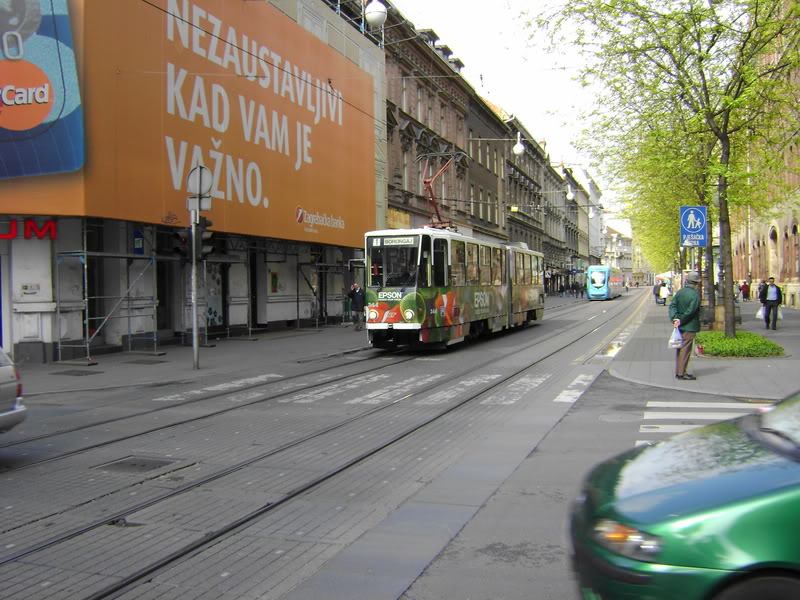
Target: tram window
(376, 266)
(459, 264)
(486, 267)
(519, 276)
(439, 263)
(425, 262)
(472, 264)
(497, 266)
(537, 270)
(528, 269)
(401, 266)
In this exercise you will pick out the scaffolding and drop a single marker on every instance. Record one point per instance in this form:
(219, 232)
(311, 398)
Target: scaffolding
(94, 318)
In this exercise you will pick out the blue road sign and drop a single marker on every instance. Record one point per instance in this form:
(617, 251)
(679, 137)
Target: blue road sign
(694, 226)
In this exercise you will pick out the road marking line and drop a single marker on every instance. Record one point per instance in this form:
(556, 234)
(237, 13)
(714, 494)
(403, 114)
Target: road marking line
(575, 389)
(516, 390)
(667, 428)
(708, 416)
(734, 405)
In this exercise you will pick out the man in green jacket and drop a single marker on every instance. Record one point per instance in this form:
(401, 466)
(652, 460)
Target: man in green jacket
(684, 310)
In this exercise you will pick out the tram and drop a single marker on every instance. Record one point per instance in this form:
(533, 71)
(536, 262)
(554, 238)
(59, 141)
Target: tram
(603, 282)
(435, 286)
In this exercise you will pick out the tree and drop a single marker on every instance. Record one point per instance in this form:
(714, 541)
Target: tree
(717, 71)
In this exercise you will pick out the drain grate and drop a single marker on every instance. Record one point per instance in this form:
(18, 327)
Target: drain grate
(135, 464)
(146, 361)
(76, 373)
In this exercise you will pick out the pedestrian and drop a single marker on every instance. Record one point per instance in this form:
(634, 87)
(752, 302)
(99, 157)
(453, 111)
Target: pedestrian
(771, 298)
(358, 300)
(762, 284)
(663, 293)
(685, 314)
(656, 290)
(561, 290)
(745, 291)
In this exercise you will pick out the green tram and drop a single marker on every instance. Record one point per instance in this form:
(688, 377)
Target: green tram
(435, 286)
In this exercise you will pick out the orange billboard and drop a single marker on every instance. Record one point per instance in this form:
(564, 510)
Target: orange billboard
(283, 122)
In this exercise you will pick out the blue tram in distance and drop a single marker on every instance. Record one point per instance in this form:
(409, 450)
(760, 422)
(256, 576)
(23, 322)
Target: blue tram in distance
(603, 282)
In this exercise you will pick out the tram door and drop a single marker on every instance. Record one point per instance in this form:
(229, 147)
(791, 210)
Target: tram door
(440, 260)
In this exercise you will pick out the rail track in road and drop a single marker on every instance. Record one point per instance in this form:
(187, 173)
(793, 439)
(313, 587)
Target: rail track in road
(377, 416)
(213, 395)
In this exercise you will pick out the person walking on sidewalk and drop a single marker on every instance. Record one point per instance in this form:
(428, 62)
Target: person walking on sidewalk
(358, 300)
(663, 293)
(771, 297)
(745, 291)
(656, 290)
(684, 310)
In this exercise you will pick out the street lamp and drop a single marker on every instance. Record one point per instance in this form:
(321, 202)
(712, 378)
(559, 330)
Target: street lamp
(375, 14)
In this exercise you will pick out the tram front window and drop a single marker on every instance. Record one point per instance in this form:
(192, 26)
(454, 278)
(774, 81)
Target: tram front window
(394, 265)
(598, 278)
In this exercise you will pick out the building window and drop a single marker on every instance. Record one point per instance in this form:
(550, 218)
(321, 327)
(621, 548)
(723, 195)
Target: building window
(469, 143)
(404, 92)
(443, 121)
(480, 153)
(406, 159)
(495, 161)
(481, 205)
(420, 92)
(472, 200)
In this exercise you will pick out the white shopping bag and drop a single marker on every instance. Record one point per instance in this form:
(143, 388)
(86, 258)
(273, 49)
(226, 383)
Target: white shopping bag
(780, 313)
(676, 339)
(760, 313)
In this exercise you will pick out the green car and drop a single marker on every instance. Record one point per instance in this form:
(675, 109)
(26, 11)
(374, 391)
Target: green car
(710, 514)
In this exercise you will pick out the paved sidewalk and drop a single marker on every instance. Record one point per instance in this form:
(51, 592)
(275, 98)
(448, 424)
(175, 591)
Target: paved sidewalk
(646, 359)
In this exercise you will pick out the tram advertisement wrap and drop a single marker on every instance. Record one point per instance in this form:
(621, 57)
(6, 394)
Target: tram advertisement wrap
(443, 313)
(283, 121)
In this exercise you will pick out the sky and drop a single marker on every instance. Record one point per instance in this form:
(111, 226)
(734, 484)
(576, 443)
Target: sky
(506, 62)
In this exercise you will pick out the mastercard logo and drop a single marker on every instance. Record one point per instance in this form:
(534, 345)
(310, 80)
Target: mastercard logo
(26, 95)
(299, 215)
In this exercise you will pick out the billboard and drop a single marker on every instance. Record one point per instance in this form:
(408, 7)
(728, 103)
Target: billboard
(284, 122)
(41, 122)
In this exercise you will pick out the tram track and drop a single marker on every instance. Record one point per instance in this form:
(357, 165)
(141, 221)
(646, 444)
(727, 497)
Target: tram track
(343, 467)
(570, 308)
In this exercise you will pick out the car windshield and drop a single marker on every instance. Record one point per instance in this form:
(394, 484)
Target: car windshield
(784, 418)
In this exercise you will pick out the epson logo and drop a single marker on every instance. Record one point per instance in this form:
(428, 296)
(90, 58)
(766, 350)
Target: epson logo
(482, 300)
(390, 295)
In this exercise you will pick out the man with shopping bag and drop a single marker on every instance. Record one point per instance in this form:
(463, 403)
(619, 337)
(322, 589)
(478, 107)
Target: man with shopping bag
(771, 297)
(685, 314)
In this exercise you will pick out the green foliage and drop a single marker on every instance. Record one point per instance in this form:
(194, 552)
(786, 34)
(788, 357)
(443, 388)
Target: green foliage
(745, 344)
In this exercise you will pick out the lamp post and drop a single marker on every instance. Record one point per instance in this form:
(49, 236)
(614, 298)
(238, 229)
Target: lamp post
(199, 184)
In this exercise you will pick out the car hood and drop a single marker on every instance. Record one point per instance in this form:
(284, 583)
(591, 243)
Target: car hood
(691, 472)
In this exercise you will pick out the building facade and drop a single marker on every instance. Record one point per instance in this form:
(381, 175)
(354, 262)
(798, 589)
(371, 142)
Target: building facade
(286, 114)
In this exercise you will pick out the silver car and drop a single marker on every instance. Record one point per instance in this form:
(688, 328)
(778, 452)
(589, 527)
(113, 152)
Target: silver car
(12, 410)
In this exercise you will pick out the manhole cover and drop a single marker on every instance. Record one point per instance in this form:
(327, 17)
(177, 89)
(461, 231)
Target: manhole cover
(146, 361)
(76, 373)
(135, 464)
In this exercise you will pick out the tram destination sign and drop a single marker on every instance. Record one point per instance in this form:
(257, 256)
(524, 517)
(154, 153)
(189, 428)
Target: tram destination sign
(694, 226)
(399, 241)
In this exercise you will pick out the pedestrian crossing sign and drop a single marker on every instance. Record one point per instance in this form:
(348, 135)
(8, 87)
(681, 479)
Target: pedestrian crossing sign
(694, 226)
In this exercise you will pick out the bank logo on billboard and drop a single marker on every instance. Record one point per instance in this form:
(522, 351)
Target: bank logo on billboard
(312, 220)
(41, 121)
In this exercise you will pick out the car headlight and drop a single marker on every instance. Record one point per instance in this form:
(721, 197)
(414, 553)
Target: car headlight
(627, 541)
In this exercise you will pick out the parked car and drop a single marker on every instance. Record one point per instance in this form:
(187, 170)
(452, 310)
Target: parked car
(12, 409)
(710, 514)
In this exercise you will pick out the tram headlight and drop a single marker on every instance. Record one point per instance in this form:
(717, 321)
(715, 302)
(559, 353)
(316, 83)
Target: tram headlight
(372, 314)
(408, 314)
